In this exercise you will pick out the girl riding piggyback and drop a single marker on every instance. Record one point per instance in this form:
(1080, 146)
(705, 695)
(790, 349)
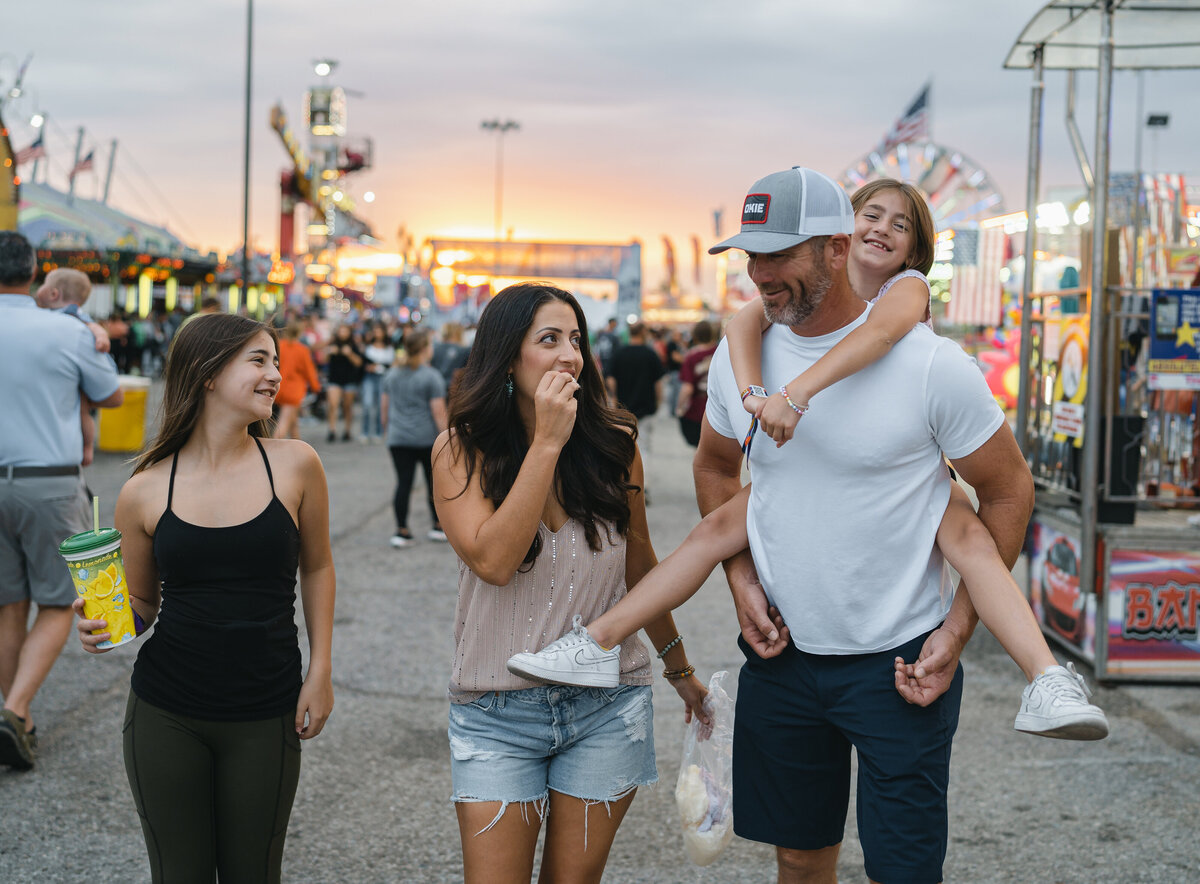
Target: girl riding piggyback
(891, 251)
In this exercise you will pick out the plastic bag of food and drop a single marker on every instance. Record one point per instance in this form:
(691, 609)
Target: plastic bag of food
(704, 790)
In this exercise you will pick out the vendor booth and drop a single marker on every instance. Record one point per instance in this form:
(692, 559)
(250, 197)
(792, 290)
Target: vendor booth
(1107, 409)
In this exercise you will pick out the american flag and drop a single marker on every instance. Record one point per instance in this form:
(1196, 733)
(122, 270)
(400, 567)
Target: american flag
(912, 125)
(83, 165)
(975, 290)
(35, 151)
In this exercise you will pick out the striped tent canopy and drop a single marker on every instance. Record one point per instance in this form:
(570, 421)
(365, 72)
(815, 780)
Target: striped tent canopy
(52, 219)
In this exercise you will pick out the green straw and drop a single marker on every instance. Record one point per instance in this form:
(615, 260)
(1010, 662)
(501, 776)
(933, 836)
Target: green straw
(96, 514)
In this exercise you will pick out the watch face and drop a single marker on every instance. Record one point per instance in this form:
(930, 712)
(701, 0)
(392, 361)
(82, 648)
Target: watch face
(1072, 367)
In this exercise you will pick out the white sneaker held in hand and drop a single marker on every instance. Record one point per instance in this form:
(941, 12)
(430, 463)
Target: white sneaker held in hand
(1055, 704)
(574, 659)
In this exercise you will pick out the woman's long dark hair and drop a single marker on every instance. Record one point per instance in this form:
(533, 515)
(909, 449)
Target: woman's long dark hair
(593, 466)
(203, 346)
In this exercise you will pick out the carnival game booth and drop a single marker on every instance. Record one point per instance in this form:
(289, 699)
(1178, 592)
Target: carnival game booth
(1106, 414)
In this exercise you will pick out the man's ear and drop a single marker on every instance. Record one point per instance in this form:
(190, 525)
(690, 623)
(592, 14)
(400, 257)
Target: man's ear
(837, 250)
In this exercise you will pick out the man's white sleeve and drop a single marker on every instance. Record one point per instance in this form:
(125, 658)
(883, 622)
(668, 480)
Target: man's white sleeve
(963, 414)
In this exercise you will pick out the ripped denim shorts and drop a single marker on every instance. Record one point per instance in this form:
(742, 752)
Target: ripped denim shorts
(591, 743)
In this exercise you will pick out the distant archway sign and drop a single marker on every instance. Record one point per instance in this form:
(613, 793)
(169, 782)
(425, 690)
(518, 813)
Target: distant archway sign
(545, 260)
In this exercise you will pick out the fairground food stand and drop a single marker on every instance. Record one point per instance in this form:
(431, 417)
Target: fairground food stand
(1106, 414)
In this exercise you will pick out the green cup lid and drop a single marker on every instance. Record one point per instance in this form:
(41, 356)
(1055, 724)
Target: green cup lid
(88, 540)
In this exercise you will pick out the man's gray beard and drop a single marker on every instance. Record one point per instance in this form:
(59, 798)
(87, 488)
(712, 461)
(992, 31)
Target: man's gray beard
(794, 312)
(804, 304)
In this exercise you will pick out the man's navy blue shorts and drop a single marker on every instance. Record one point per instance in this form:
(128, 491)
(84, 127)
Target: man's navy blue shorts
(797, 716)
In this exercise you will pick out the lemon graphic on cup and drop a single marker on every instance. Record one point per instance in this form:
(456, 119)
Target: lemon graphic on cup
(103, 585)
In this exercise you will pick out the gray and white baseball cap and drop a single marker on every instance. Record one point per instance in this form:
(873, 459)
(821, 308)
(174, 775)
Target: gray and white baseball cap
(786, 208)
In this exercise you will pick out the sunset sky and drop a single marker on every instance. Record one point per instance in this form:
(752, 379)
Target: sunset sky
(638, 117)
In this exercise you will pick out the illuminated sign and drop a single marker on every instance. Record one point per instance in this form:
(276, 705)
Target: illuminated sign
(531, 259)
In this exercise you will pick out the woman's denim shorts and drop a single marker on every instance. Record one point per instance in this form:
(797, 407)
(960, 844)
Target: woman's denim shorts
(591, 743)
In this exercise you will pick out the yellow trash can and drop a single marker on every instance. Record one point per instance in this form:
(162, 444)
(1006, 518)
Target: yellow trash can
(124, 428)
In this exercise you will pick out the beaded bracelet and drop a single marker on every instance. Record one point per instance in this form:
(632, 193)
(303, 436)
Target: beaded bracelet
(799, 409)
(676, 674)
(672, 643)
(754, 390)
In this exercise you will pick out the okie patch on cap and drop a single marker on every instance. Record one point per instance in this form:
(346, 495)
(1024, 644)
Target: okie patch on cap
(754, 210)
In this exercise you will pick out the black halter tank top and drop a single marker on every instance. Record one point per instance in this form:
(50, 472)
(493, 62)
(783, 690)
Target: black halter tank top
(224, 647)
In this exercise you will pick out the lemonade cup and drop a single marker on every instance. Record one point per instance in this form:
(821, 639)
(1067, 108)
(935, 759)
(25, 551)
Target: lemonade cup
(98, 572)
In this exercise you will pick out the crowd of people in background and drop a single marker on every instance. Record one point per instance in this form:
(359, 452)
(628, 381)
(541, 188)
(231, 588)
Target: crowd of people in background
(368, 378)
(334, 372)
(360, 356)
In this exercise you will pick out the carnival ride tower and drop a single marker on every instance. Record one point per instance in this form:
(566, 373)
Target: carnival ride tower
(317, 178)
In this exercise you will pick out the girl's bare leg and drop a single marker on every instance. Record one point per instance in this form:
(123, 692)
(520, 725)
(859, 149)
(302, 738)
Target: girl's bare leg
(966, 543)
(504, 853)
(675, 579)
(333, 401)
(567, 858)
(289, 417)
(347, 412)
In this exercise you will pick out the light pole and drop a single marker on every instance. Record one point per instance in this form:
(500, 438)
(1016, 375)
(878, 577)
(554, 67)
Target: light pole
(37, 121)
(499, 128)
(246, 155)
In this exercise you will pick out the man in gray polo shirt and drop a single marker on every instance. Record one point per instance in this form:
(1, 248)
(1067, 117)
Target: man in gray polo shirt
(46, 359)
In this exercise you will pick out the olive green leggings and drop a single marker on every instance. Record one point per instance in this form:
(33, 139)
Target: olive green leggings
(214, 797)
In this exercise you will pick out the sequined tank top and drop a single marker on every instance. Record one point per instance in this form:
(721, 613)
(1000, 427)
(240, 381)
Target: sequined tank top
(927, 319)
(491, 623)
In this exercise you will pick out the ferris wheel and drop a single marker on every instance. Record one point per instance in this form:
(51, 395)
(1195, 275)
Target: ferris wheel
(959, 191)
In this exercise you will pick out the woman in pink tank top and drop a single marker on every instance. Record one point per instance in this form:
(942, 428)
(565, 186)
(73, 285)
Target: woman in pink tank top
(538, 486)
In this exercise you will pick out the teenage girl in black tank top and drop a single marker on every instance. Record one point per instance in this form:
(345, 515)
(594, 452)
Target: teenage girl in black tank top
(215, 526)
(224, 647)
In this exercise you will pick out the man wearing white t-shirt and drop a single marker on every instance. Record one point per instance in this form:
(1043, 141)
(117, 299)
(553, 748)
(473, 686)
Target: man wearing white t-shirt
(842, 523)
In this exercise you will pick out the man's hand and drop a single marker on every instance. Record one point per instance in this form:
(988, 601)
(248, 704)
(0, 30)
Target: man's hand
(926, 679)
(762, 626)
